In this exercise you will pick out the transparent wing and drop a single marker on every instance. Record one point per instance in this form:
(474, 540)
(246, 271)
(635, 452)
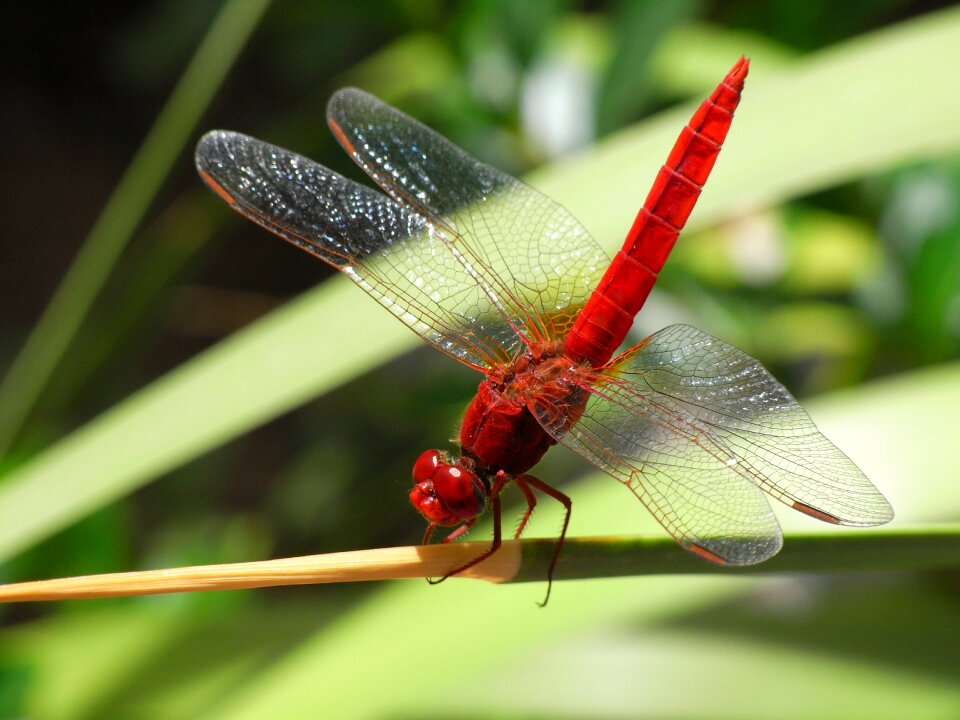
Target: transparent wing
(681, 475)
(734, 399)
(696, 428)
(534, 261)
(389, 250)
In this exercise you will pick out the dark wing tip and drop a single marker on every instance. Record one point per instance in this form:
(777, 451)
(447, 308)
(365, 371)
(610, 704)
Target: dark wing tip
(213, 149)
(217, 149)
(343, 98)
(208, 149)
(340, 108)
(736, 551)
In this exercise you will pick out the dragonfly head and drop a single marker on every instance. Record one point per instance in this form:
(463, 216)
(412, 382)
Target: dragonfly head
(446, 493)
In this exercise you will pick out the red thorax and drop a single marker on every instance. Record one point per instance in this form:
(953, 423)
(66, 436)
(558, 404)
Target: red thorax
(499, 434)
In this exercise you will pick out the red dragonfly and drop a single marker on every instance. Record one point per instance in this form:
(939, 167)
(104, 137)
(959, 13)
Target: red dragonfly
(503, 279)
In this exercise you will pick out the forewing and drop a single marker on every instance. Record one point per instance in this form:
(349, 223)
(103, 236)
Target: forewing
(534, 261)
(388, 249)
(735, 400)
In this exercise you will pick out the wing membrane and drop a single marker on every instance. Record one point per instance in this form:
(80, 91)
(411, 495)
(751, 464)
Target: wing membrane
(734, 399)
(534, 260)
(681, 475)
(697, 428)
(394, 253)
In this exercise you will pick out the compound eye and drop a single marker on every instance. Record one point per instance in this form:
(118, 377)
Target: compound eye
(460, 491)
(426, 465)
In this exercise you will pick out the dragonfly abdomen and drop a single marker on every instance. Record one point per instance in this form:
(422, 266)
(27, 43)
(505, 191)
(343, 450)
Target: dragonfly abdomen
(608, 314)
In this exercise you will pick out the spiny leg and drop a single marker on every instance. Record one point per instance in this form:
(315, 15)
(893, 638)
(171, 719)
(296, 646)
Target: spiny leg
(428, 533)
(449, 538)
(531, 499)
(461, 530)
(566, 502)
(494, 545)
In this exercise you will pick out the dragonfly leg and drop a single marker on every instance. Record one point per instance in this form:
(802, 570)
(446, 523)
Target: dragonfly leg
(429, 533)
(494, 544)
(531, 499)
(461, 530)
(568, 505)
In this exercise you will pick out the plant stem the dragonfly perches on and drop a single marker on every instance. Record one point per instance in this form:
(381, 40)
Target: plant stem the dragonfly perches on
(915, 549)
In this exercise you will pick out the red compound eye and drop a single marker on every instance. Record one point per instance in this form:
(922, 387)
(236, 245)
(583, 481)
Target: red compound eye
(446, 494)
(460, 491)
(426, 465)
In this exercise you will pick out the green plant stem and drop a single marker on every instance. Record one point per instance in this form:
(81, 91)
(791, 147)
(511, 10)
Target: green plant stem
(901, 549)
(847, 550)
(123, 212)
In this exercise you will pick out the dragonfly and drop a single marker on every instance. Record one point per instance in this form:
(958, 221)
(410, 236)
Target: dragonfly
(504, 280)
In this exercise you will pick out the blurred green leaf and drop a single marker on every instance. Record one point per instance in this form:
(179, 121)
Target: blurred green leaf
(220, 392)
(119, 660)
(412, 64)
(109, 336)
(826, 120)
(845, 649)
(15, 681)
(810, 328)
(829, 253)
(681, 674)
(685, 58)
(638, 27)
(802, 250)
(123, 213)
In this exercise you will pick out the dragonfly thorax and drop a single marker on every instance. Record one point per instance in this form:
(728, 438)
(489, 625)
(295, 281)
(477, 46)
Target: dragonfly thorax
(499, 431)
(535, 359)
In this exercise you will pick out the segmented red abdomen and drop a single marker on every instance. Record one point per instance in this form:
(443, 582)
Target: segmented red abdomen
(604, 321)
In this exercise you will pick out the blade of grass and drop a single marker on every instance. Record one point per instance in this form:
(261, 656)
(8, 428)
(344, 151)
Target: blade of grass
(133, 661)
(111, 232)
(165, 247)
(317, 342)
(735, 678)
(148, 434)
